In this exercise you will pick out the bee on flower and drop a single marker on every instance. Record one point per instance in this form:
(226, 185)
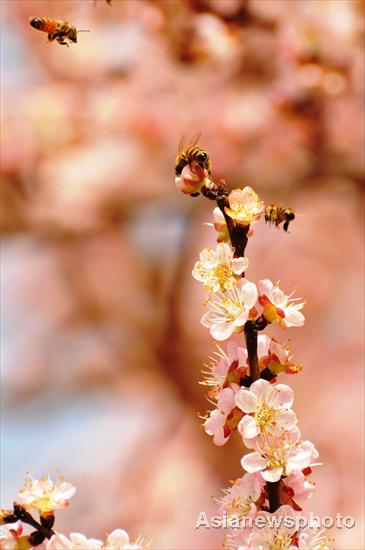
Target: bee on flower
(267, 409)
(45, 495)
(278, 306)
(245, 206)
(228, 311)
(219, 270)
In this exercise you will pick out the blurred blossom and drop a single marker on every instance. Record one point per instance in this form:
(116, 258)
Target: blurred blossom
(45, 495)
(278, 306)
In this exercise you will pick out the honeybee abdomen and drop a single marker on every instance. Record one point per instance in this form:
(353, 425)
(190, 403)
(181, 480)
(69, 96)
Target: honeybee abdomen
(181, 162)
(45, 24)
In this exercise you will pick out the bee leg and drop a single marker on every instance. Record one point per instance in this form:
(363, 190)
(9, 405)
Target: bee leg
(286, 225)
(61, 40)
(51, 37)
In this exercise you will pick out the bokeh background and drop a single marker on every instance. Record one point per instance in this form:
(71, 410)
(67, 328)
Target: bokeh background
(101, 341)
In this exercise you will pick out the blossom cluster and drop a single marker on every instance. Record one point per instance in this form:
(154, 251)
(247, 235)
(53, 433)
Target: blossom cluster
(243, 385)
(226, 376)
(45, 496)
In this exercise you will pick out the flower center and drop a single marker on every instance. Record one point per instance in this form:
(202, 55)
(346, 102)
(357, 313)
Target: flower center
(264, 415)
(281, 541)
(240, 507)
(222, 273)
(276, 453)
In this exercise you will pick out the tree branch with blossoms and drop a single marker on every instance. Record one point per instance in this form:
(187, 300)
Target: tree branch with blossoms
(45, 496)
(243, 381)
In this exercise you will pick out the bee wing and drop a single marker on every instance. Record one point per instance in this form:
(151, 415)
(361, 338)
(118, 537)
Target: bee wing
(182, 144)
(195, 139)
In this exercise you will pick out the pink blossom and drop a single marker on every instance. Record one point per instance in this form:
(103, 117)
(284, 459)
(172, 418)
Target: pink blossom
(302, 488)
(76, 541)
(278, 306)
(273, 533)
(10, 535)
(277, 456)
(278, 358)
(226, 368)
(245, 207)
(223, 420)
(228, 311)
(45, 495)
(220, 226)
(267, 408)
(218, 269)
(240, 499)
(313, 539)
(119, 540)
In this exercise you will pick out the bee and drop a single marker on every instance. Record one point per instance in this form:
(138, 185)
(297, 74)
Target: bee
(277, 214)
(57, 30)
(186, 155)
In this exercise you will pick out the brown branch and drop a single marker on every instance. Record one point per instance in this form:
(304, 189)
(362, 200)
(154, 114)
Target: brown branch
(238, 235)
(23, 515)
(251, 344)
(273, 495)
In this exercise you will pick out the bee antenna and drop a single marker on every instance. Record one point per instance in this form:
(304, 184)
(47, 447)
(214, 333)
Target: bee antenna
(82, 30)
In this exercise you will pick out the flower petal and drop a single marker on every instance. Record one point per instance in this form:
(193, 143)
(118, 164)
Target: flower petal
(272, 475)
(248, 427)
(249, 294)
(261, 389)
(293, 317)
(117, 539)
(282, 396)
(239, 265)
(253, 462)
(221, 331)
(246, 401)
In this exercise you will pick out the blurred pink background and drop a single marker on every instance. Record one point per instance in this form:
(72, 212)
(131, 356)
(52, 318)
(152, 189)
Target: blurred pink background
(101, 341)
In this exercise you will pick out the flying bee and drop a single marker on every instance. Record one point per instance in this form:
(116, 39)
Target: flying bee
(186, 155)
(277, 214)
(57, 30)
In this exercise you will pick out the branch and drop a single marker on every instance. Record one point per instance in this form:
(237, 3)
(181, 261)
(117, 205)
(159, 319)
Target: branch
(251, 344)
(273, 494)
(237, 233)
(23, 515)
